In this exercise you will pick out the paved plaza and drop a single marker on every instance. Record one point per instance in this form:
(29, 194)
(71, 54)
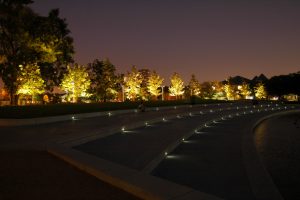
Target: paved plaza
(204, 151)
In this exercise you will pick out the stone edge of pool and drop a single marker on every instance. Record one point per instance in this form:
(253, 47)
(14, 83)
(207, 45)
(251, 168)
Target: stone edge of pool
(134, 182)
(259, 178)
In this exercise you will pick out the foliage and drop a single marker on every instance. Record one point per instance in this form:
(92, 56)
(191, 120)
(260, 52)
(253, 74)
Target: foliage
(212, 90)
(55, 46)
(260, 91)
(76, 82)
(144, 93)
(207, 90)
(30, 81)
(245, 90)
(133, 82)
(229, 91)
(284, 84)
(218, 90)
(27, 38)
(154, 84)
(194, 86)
(105, 81)
(177, 87)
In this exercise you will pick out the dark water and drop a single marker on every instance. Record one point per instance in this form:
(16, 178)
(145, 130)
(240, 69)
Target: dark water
(278, 142)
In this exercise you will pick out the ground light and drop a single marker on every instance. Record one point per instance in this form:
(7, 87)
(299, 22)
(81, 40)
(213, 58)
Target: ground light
(74, 118)
(123, 129)
(172, 157)
(109, 114)
(198, 131)
(207, 126)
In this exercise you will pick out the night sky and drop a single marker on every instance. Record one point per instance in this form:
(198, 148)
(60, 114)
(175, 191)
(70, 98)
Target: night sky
(213, 39)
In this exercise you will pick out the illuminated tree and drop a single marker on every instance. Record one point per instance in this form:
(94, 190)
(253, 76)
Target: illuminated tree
(207, 89)
(229, 91)
(218, 90)
(260, 91)
(105, 81)
(194, 86)
(144, 93)
(245, 90)
(177, 88)
(154, 84)
(27, 38)
(133, 82)
(76, 82)
(30, 82)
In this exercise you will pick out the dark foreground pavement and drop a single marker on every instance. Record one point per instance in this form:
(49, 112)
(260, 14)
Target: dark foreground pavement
(278, 142)
(38, 175)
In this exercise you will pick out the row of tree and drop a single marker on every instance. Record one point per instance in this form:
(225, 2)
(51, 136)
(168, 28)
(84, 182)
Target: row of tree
(99, 82)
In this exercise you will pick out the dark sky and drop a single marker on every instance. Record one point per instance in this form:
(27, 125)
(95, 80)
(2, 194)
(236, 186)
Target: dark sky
(211, 38)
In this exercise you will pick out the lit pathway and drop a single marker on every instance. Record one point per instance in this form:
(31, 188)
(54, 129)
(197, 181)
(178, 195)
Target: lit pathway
(211, 160)
(218, 159)
(136, 148)
(79, 130)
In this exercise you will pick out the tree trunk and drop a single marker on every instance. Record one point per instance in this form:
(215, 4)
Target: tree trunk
(13, 98)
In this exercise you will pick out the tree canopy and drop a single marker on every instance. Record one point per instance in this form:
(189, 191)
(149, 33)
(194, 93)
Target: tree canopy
(133, 82)
(30, 81)
(154, 84)
(76, 82)
(105, 81)
(177, 88)
(27, 38)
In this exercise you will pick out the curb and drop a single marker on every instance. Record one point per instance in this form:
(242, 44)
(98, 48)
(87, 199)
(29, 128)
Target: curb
(134, 182)
(260, 180)
(53, 119)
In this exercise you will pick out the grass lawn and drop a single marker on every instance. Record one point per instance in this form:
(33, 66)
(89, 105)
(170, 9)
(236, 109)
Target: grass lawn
(31, 111)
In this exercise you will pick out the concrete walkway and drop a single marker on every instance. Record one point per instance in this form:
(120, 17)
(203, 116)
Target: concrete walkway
(119, 149)
(218, 161)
